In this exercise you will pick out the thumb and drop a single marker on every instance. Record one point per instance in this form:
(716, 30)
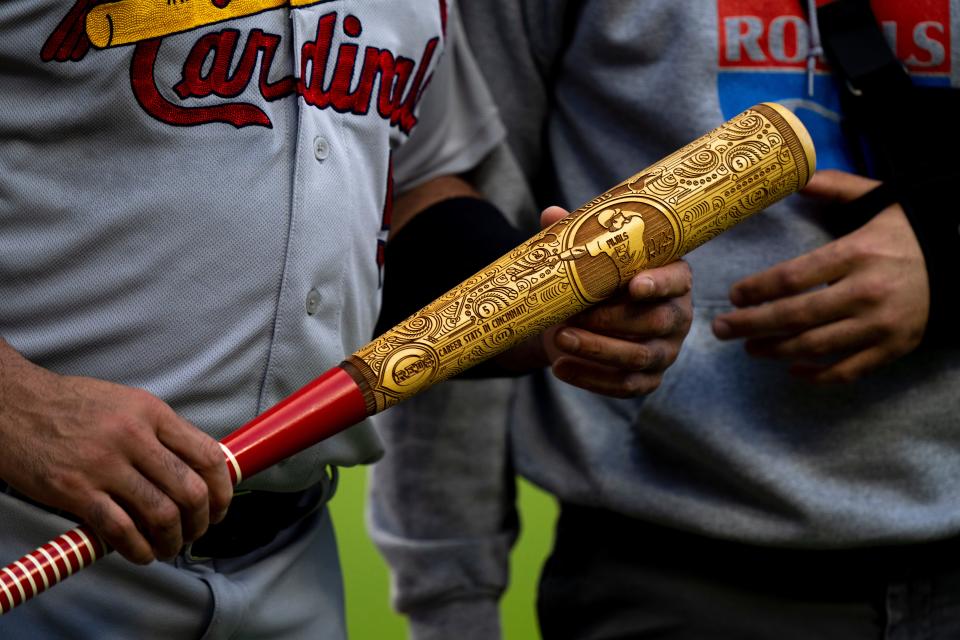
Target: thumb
(838, 186)
(551, 215)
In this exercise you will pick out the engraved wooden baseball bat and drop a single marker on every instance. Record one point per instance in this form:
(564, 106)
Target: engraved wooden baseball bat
(652, 218)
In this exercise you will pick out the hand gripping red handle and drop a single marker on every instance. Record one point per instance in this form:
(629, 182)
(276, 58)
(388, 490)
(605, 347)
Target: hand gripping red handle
(324, 407)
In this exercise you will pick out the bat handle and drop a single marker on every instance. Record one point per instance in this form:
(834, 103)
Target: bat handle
(60, 558)
(49, 565)
(320, 409)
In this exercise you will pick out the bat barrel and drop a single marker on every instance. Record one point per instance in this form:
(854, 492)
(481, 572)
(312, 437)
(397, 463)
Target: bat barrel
(652, 218)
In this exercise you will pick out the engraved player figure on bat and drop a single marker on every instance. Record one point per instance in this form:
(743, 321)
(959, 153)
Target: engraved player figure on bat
(622, 241)
(624, 232)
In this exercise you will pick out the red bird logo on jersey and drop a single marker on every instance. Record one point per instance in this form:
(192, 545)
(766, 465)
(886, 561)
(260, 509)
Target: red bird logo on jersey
(143, 24)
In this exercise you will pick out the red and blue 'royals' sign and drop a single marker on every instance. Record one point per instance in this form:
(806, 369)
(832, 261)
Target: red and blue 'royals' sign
(763, 48)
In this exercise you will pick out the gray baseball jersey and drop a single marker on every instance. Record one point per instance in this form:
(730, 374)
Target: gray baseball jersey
(193, 199)
(194, 196)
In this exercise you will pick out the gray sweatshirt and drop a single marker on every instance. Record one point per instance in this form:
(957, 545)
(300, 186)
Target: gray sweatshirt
(729, 446)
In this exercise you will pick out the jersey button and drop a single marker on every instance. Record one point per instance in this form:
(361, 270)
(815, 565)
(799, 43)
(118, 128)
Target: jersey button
(321, 148)
(313, 301)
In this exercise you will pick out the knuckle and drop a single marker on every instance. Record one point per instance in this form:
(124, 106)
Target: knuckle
(211, 455)
(859, 250)
(114, 529)
(145, 401)
(96, 515)
(790, 279)
(679, 316)
(887, 327)
(663, 318)
(860, 294)
(195, 495)
(890, 322)
(744, 291)
(784, 317)
(811, 346)
(876, 290)
(670, 355)
(638, 358)
(603, 318)
(127, 428)
(164, 517)
(590, 348)
(61, 480)
(686, 277)
(801, 315)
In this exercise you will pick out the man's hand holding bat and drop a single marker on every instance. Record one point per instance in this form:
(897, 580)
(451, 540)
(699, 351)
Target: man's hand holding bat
(622, 348)
(118, 458)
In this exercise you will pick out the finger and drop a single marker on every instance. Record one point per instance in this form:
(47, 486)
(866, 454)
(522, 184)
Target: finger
(838, 186)
(831, 340)
(821, 266)
(157, 516)
(607, 381)
(786, 316)
(632, 320)
(669, 281)
(117, 529)
(182, 485)
(551, 214)
(845, 371)
(650, 355)
(202, 453)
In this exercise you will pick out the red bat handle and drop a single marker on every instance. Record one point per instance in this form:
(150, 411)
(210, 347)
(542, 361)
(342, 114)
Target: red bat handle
(322, 408)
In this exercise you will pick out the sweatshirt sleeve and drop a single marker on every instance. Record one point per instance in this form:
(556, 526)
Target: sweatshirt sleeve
(441, 508)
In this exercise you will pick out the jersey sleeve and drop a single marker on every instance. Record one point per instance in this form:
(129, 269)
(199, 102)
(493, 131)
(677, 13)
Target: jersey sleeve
(458, 124)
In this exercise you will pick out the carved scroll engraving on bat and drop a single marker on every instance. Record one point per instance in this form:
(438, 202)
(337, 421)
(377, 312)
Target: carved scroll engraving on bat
(650, 219)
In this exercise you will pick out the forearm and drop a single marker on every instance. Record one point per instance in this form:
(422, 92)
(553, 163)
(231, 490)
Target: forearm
(444, 232)
(410, 204)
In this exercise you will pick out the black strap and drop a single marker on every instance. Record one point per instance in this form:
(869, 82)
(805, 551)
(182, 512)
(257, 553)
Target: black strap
(843, 218)
(855, 45)
(545, 187)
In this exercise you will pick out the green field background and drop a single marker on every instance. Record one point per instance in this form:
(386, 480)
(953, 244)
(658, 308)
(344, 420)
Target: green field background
(367, 582)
